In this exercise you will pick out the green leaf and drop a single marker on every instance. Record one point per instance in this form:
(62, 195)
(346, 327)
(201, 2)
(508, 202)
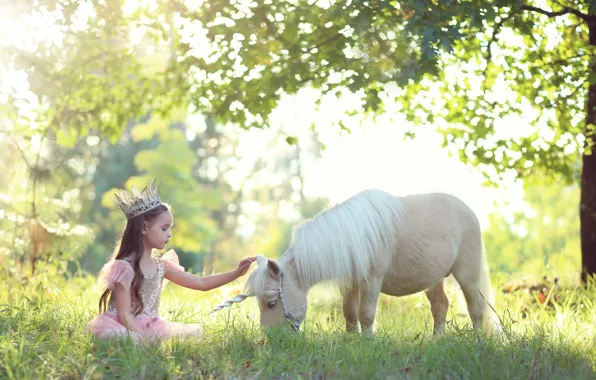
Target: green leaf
(291, 140)
(66, 138)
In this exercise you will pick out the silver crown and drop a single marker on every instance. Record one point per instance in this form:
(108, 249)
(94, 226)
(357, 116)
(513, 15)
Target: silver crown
(138, 202)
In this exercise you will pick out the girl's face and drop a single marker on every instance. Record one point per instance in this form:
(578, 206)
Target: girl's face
(158, 231)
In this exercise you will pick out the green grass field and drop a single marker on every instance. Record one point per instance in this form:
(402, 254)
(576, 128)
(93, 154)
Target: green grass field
(41, 336)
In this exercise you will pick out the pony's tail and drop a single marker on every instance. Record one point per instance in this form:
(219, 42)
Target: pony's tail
(491, 323)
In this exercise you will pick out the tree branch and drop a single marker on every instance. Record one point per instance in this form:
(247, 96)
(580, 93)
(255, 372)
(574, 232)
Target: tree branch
(562, 12)
(35, 179)
(571, 95)
(493, 39)
(23, 156)
(489, 53)
(327, 41)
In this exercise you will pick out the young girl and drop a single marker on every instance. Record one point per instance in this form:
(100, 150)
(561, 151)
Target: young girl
(134, 278)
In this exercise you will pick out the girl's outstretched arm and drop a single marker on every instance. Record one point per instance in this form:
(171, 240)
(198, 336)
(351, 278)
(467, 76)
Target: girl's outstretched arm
(123, 308)
(191, 281)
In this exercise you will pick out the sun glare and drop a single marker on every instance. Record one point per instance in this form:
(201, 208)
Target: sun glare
(373, 154)
(12, 30)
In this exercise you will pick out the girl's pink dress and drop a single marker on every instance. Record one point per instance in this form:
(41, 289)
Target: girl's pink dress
(108, 324)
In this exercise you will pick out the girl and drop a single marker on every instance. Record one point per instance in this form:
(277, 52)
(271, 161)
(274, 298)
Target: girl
(134, 279)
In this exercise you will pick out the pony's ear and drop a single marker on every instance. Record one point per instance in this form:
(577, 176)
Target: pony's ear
(273, 268)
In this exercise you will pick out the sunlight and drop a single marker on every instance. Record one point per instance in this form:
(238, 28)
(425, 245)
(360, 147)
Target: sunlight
(372, 155)
(12, 30)
(35, 29)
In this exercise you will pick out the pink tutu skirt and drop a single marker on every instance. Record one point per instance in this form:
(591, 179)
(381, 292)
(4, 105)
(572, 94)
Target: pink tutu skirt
(108, 325)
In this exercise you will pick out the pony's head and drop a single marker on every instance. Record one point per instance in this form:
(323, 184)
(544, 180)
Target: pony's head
(278, 295)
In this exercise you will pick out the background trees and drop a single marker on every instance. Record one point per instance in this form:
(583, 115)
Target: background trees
(508, 83)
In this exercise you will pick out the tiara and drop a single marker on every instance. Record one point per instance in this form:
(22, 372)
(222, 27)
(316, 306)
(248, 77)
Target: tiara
(138, 202)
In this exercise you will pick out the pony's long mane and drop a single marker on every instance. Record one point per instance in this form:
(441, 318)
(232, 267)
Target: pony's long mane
(347, 242)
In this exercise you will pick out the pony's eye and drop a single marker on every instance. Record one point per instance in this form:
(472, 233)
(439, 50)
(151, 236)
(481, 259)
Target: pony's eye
(272, 303)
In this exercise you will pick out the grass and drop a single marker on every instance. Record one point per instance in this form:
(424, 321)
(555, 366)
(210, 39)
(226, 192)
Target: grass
(41, 336)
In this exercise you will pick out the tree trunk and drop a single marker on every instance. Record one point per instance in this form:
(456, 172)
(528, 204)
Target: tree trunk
(587, 212)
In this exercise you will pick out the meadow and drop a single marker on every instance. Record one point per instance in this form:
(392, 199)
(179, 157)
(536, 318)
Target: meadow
(256, 116)
(547, 335)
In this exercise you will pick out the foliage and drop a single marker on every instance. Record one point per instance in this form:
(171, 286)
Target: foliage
(114, 166)
(223, 187)
(172, 161)
(83, 67)
(274, 235)
(41, 194)
(521, 109)
(73, 72)
(464, 65)
(541, 239)
(235, 61)
(41, 335)
(505, 81)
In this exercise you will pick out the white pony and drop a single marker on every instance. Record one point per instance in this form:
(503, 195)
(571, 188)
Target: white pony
(378, 243)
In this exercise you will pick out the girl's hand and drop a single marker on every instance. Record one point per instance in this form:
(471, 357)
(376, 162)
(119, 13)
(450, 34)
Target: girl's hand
(191, 281)
(244, 266)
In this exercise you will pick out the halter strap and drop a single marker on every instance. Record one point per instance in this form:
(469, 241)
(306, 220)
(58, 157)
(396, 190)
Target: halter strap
(287, 315)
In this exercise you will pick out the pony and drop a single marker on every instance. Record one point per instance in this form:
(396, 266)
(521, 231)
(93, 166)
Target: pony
(376, 242)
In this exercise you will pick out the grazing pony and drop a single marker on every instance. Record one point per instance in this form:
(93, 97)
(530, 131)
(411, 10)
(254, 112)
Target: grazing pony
(376, 243)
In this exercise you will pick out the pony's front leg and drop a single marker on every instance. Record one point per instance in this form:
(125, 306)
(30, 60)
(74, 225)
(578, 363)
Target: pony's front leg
(351, 303)
(369, 298)
(439, 304)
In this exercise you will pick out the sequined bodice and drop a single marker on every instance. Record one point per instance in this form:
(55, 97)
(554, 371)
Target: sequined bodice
(150, 292)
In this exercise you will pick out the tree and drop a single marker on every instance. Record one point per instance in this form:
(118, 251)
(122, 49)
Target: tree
(69, 69)
(461, 64)
(83, 70)
(42, 189)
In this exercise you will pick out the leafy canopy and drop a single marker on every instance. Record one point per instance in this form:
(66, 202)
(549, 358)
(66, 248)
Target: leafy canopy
(505, 80)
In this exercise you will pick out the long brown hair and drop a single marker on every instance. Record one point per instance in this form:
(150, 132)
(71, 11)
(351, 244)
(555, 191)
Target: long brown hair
(130, 245)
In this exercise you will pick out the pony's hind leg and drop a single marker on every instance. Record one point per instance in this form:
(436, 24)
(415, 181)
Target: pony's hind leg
(439, 304)
(369, 298)
(475, 304)
(351, 304)
(469, 284)
(472, 275)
